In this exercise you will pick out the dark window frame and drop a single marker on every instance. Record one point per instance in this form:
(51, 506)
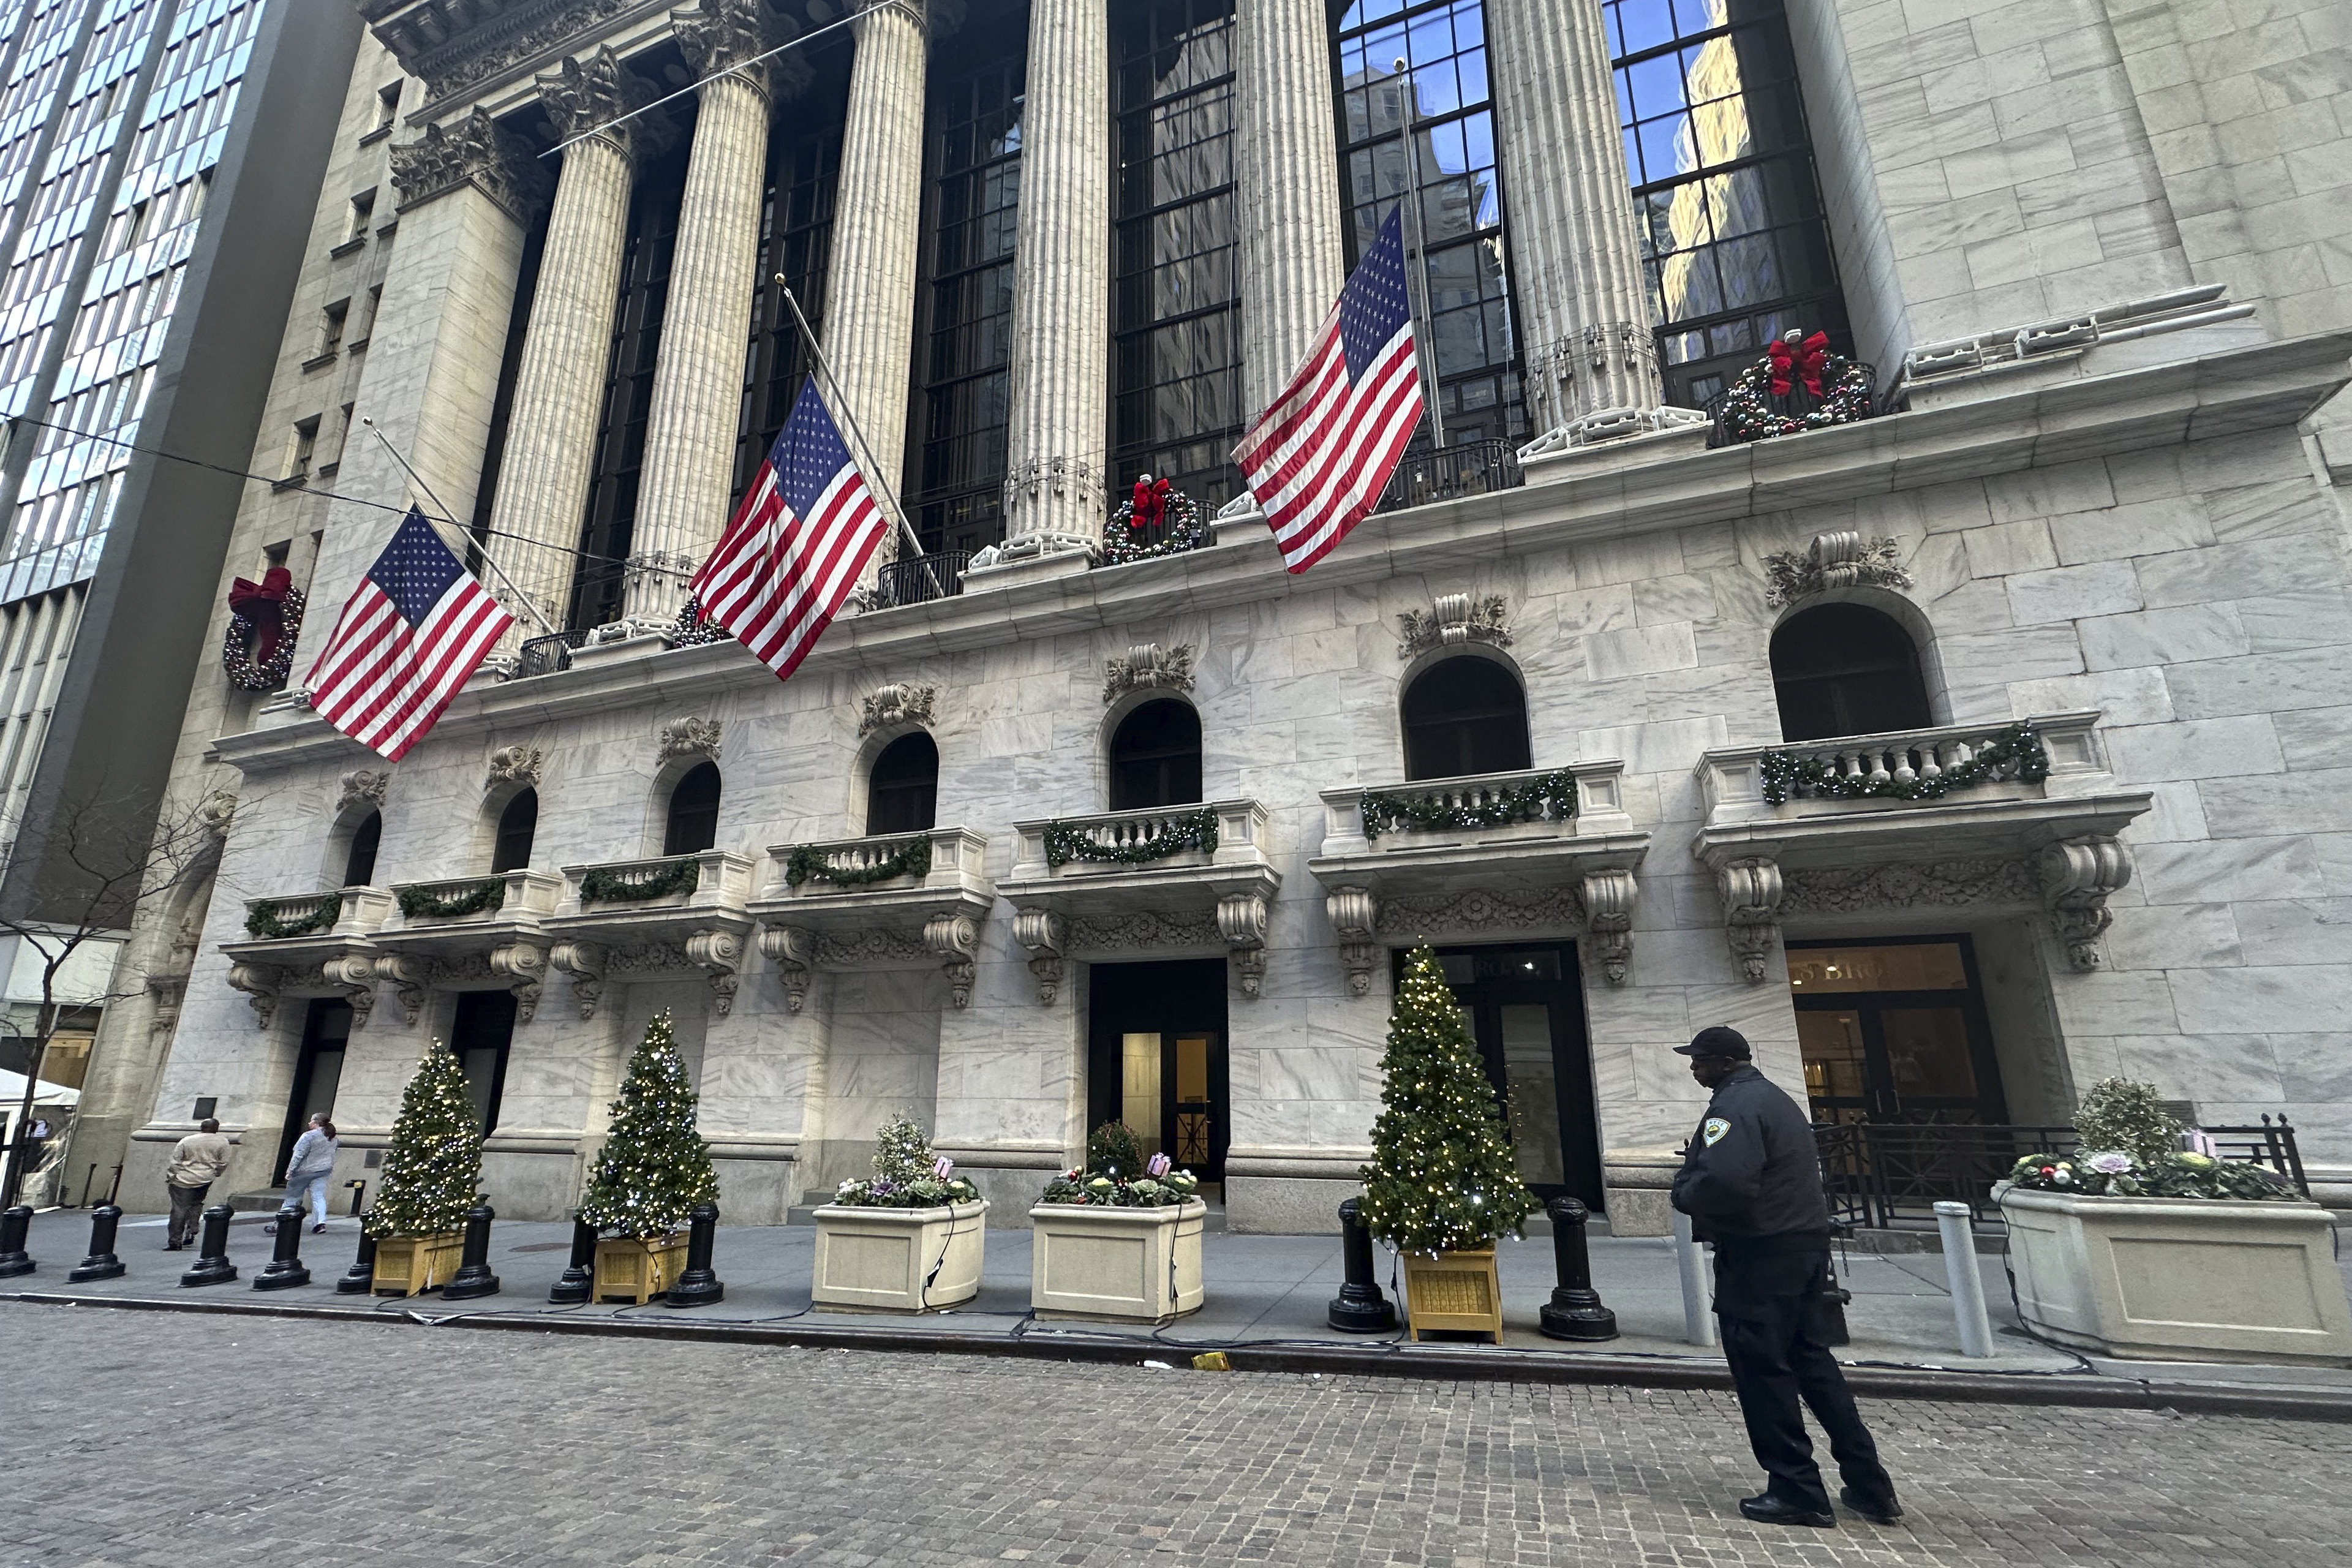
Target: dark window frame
(1473, 738)
(360, 850)
(1860, 697)
(511, 841)
(902, 796)
(1169, 776)
(682, 814)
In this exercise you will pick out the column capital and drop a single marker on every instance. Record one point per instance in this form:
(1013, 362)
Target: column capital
(476, 151)
(718, 34)
(587, 96)
(940, 17)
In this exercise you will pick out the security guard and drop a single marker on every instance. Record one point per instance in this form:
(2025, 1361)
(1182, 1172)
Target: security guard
(1751, 1183)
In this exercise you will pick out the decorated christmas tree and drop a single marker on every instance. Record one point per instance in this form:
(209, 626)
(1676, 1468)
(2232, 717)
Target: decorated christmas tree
(655, 1167)
(433, 1167)
(1444, 1176)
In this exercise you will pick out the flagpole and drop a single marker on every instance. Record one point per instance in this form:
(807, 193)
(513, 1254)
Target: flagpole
(865, 454)
(471, 544)
(1417, 273)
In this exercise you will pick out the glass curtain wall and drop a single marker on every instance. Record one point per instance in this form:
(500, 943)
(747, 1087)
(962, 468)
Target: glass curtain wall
(1734, 246)
(1452, 159)
(1176, 312)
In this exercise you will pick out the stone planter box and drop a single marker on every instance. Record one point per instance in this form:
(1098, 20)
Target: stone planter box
(882, 1259)
(1135, 1265)
(2178, 1278)
(1455, 1293)
(632, 1270)
(406, 1265)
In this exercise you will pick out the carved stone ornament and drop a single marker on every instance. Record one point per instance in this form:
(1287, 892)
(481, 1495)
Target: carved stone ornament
(261, 982)
(956, 939)
(515, 764)
(1507, 908)
(450, 45)
(717, 36)
(587, 96)
(523, 966)
(2078, 875)
(792, 951)
(216, 812)
(475, 150)
(1143, 929)
(584, 962)
(1146, 667)
(1931, 884)
(869, 945)
(165, 993)
(363, 788)
(689, 738)
(1241, 922)
(1453, 620)
(890, 705)
(1838, 560)
(1355, 915)
(410, 977)
(1608, 920)
(1044, 935)
(354, 974)
(1752, 891)
(718, 953)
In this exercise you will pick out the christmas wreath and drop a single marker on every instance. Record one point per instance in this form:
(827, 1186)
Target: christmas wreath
(1155, 505)
(694, 628)
(807, 864)
(1193, 830)
(1758, 406)
(599, 885)
(2016, 753)
(265, 618)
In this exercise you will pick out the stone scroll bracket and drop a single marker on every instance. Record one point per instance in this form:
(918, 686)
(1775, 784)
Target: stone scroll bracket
(354, 974)
(1355, 913)
(956, 939)
(410, 978)
(1752, 890)
(792, 951)
(261, 982)
(523, 966)
(2077, 876)
(1609, 919)
(718, 953)
(1242, 922)
(584, 962)
(1046, 936)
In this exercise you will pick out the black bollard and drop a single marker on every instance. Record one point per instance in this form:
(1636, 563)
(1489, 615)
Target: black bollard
(360, 1278)
(474, 1277)
(579, 1276)
(1574, 1311)
(101, 1263)
(14, 1224)
(212, 1267)
(1359, 1308)
(284, 1270)
(698, 1285)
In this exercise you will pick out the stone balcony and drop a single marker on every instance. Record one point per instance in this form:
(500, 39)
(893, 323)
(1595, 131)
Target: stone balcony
(470, 934)
(678, 914)
(310, 944)
(2015, 814)
(1539, 851)
(901, 901)
(1156, 883)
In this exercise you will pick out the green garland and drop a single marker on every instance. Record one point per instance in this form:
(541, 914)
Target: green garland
(600, 886)
(808, 865)
(1555, 791)
(2016, 751)
(489, 893)
(1195, 830)
(262, 920)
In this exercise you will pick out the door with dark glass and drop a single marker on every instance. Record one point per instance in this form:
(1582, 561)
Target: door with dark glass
(1894, 1031)
(1156, 1058)
(318, 1073)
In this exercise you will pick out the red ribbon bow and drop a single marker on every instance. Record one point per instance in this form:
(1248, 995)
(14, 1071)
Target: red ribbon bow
(1803, 361)
(264, 605)
(1150, 503)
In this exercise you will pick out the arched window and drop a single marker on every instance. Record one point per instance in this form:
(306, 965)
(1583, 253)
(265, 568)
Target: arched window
(693, 811)
(902, 795)
(1846, 669)
(1155, 757)
(359, 866)
(517, 824)
(1462, 716)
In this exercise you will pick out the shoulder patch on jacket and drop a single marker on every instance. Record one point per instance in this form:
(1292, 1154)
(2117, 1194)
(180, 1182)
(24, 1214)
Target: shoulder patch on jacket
(1714, 1129)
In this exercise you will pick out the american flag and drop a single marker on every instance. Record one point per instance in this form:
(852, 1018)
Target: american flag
(1320, 456)
(417, 627)
(797, 543)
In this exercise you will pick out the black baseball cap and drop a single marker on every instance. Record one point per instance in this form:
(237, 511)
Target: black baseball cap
(1717, 1041)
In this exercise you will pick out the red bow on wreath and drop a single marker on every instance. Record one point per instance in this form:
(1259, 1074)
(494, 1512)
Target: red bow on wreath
(263, 605)
(1150, 503)
(1793, 362)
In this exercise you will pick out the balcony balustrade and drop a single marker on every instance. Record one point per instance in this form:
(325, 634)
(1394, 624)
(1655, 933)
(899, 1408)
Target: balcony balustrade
(896, 900)
(676, 914)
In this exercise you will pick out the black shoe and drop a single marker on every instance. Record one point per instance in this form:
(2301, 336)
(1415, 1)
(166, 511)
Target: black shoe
(1886, 1512)
(318, 1230)
(175, 1247)
(1769, 1509)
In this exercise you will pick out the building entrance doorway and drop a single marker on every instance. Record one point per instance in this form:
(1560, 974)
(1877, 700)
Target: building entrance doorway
(1525, 1009)
(1894, 1032)
(317, 1072)
(1156, 1058)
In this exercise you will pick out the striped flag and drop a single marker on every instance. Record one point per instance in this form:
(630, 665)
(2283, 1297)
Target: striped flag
(797, 543)
(416, 630)
(1320, 456)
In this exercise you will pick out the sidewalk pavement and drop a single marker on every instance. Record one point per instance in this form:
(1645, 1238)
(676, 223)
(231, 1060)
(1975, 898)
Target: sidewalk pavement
(1263, 1291)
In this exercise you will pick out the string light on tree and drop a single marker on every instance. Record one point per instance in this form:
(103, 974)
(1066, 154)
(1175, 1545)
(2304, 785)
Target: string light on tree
(433, 1167)
(654, 1167)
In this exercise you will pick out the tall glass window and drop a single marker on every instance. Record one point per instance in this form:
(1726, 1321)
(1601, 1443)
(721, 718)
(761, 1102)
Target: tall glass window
(963, 385)
(1734, 246)
(1176, 317)
(1451, 160)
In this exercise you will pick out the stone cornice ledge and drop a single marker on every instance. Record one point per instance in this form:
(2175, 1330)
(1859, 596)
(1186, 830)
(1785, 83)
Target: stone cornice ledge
(2269, 385)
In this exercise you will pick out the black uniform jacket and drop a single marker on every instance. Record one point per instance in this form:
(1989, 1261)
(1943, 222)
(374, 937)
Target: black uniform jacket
(1751, 1178)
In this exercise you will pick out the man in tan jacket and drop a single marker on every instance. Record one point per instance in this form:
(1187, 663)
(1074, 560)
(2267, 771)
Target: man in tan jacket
(197, 1161)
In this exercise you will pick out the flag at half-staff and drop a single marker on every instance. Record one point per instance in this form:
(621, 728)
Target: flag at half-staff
(1320, 456)
(797, 543)
(415, 631)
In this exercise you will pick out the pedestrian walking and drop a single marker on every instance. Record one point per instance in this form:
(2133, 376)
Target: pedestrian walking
(306, 1170)
(197, 1161)
(1751, 1183)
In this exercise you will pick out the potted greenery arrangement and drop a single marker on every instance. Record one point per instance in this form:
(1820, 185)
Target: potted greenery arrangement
(1444, 1177)
(1117, 1238)
(2138, 1248)
(653, 1169)
(909, 1238)
(431, 1175)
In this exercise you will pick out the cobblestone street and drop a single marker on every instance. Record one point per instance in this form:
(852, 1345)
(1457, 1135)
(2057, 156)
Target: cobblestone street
(149, 1437)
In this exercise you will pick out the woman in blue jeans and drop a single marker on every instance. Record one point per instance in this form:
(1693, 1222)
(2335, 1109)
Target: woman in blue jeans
(312, 1163)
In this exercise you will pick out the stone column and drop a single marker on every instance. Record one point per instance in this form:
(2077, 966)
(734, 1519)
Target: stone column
(1583, 313)
(1061, 286)
(690, 461)
(542, 492)
(1292, 258)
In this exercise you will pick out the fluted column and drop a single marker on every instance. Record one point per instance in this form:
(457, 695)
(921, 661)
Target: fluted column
(1291, 256)
(1060, 285)
(542, 492)
(1583, 312)
(690, 461)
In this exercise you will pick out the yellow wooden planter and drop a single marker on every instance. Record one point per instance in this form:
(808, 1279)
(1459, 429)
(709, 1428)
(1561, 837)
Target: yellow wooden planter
(1453, 1290)
(632, 1270)
(406, 1264)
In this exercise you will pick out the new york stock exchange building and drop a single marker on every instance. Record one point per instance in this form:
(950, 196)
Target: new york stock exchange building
(1958, 703)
